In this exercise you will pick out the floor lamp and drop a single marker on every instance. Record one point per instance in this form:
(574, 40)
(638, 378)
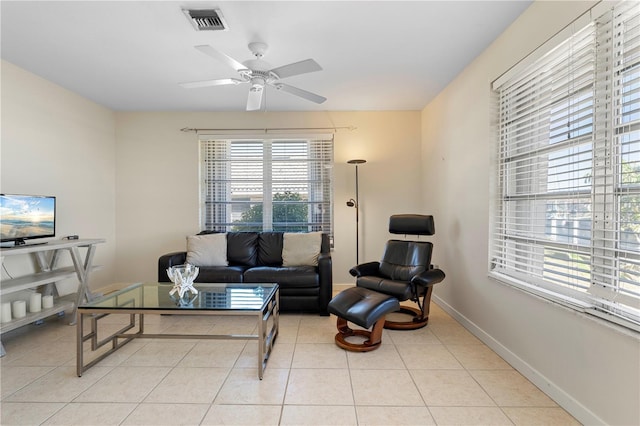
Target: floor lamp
(356, 203)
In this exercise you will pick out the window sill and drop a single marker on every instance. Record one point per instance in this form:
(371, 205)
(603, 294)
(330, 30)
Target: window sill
(587, 311)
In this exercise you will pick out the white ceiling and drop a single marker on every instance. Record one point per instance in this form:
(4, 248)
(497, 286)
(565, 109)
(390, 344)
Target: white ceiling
(131, 55)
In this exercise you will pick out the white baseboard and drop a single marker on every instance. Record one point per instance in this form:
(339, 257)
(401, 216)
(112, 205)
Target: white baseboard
(566, 401)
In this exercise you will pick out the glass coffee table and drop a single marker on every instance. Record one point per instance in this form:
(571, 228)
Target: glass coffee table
(138, 300)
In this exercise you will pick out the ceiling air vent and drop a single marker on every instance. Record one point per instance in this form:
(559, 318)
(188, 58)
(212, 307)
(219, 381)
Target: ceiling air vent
(206, 20)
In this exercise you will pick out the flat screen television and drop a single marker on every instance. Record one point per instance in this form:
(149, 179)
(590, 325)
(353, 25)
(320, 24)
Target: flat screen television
(26, 217)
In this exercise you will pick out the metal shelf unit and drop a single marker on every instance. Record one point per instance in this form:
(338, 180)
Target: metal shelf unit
(47, 257)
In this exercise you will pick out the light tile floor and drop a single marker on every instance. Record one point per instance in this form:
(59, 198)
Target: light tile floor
(439, 375)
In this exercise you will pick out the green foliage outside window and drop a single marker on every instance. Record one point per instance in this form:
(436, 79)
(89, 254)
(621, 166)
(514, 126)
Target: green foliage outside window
(290, 214)
(630, 208)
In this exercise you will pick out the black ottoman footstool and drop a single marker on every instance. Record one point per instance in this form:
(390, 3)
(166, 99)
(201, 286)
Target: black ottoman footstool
(365, 308)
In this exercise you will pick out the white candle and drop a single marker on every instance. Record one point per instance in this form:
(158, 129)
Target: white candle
(35, 302)
(19, 309)
(5, 313)
(47, 302)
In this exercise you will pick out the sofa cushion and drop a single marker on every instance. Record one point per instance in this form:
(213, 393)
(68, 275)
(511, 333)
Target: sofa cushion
(290, 277)
(207, 250)
(242, 248)
(221, 274)
(270, 249)
(301, 249)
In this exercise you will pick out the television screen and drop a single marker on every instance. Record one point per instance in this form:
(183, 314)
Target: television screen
(24, 217)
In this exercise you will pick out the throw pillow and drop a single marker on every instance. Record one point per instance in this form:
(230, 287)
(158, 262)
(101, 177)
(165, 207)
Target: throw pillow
(207, 250)
(301, 249)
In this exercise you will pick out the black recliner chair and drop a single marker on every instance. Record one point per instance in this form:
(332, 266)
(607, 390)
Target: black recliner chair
(405, 271)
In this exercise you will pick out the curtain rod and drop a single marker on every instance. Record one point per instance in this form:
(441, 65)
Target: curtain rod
(267, 129)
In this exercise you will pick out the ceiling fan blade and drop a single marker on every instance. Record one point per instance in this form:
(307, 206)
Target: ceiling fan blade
(302, 67)
(216, 54)
(299, 92)
(254, 101)
(207, 83)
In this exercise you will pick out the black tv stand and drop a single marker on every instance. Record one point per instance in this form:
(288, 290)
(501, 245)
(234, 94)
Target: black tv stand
(22, 243)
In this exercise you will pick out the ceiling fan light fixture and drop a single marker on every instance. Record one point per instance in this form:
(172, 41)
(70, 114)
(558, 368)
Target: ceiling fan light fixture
(257, 84)
(206, 19)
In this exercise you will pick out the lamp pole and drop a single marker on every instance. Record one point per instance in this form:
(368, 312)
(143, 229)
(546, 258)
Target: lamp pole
(356, 203)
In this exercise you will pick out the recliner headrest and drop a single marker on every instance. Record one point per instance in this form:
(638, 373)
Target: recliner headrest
(412, 224)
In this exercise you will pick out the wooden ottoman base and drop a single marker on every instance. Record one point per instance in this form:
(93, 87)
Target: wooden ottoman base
(374, 337)
(363, 307)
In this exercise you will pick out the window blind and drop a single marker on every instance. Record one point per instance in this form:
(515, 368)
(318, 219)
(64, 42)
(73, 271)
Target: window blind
(280, 184)
(566, 219)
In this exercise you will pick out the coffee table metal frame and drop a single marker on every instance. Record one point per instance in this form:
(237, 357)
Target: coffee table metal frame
(266, 336)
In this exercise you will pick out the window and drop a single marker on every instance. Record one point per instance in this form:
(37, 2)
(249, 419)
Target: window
(279, 184)
(566, 219)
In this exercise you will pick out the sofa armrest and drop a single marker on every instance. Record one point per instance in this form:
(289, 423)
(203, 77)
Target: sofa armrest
(325, 277)
(168, 260)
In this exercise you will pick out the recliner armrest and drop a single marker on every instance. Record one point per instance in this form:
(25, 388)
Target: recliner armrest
(369, 268)
(428, 278)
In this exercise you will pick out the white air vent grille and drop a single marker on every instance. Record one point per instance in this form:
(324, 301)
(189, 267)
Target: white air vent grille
(206, 20)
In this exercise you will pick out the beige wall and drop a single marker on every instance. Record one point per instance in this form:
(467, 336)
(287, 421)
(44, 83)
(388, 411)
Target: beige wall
(55, 142)
(592, 369)
(157, 180)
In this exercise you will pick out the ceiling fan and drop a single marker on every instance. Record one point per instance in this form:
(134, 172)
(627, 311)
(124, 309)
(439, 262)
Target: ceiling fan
(259, 74)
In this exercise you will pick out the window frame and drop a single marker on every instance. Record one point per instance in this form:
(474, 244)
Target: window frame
(307, 158)
(520, 259)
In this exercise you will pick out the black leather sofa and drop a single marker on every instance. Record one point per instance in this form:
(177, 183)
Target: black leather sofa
(256, 257)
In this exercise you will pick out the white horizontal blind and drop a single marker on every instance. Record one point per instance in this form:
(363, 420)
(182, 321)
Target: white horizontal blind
(567, 215)
(545, 159)
(267, 184)
(616, 247)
